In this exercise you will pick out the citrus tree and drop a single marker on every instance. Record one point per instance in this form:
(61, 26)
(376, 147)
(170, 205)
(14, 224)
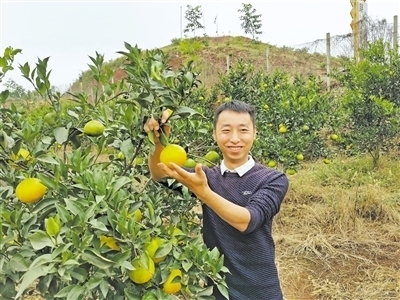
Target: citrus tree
(295, 117)
(372, 99)
(80, 218)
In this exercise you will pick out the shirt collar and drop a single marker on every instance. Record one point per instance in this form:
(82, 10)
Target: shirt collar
(241, 170)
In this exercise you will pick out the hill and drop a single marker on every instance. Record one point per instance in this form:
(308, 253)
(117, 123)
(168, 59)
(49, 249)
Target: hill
(213, 56)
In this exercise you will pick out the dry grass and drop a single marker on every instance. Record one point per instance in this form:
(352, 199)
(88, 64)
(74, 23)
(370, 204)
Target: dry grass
(338, 234)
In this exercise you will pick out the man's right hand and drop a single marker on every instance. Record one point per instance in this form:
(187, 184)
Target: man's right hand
(154, 157)
(155, 125)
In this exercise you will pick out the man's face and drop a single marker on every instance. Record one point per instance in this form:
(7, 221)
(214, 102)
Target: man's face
(234, 133)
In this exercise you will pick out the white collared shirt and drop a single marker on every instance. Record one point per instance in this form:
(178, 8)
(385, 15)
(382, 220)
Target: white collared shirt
(241, 170)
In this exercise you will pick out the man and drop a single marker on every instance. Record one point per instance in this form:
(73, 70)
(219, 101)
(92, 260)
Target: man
(239, 200)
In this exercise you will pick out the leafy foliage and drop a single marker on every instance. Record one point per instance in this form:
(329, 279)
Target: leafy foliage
(80, 239)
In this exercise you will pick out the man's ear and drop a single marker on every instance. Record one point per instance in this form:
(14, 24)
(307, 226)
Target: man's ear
(214, 135)
(255, 133)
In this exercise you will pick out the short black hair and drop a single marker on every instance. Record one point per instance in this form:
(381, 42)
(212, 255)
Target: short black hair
(236, 106)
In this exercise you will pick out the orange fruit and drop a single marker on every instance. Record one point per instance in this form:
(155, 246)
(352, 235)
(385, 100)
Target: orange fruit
(173, 153)
(212, 156)
(144, 269)
(170, 287)
(190, 163)
(272, 163)
(93, 128)
(110, 242)
(30, 190)
(291, 171)
(152, 248)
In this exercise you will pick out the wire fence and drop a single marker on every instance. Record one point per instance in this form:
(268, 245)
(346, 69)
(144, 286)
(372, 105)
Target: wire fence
(343, 45)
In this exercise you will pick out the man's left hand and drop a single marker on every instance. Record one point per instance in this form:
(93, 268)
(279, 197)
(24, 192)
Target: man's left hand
(196, 182)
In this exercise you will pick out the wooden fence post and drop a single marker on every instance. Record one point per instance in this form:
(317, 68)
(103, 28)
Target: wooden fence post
(328, 61)
(395, 33)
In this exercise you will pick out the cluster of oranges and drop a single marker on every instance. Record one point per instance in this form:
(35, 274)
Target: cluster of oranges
(145, 265)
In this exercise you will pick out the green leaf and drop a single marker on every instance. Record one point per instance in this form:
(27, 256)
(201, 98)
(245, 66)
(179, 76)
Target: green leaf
(18, 263)
(61, 134)
(4, 95)
(189, 78)
(96, 259)
(76, 292)
(206, 292)
(120, 182)
(44, 204)
(130, 295)
(79, 274)
(73, 114)
(89, 212)
(184, 112)
(63, 293)
(120, 258)
(48, 159)
(144, 99)
(7, 289)
(40, 240)
(47, 181)
(63, 213)
(74, 206)
(150, 136)
(202, 130)
(224, 290)
(150, 296)
(29, 277)
(164, 250)
(27, 225)
(127, 148)
(94, 281)
(25, 69)
(96, 224)
(186, 265)
(104, 288)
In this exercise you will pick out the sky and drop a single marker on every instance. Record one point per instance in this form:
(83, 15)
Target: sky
(70, 31)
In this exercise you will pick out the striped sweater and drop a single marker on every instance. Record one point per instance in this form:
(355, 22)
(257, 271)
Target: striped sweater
(249, 255)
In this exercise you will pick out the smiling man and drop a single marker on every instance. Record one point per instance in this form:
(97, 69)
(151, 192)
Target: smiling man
(239, 200)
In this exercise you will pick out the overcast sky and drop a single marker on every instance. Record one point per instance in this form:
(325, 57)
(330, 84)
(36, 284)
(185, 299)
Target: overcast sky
(70, 31)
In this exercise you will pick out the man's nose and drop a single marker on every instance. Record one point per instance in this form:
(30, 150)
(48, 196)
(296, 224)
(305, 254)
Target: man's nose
(235, 137)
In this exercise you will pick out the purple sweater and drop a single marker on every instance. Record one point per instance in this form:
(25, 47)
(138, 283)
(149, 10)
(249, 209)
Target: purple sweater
(249, 255)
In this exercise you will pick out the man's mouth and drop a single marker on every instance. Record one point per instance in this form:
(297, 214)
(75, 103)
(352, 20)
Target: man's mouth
(234, 148)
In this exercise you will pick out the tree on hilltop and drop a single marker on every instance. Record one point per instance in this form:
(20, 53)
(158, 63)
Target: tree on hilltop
(193, 15)
(251, 22)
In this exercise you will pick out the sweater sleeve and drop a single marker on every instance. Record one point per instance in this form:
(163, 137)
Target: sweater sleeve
(265, 203)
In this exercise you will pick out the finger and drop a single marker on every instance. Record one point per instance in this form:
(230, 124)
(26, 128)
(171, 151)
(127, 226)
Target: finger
(180, 171)
(153, 124)
(168, 171)
(146, 128)
(199, 170)
(165, 115)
